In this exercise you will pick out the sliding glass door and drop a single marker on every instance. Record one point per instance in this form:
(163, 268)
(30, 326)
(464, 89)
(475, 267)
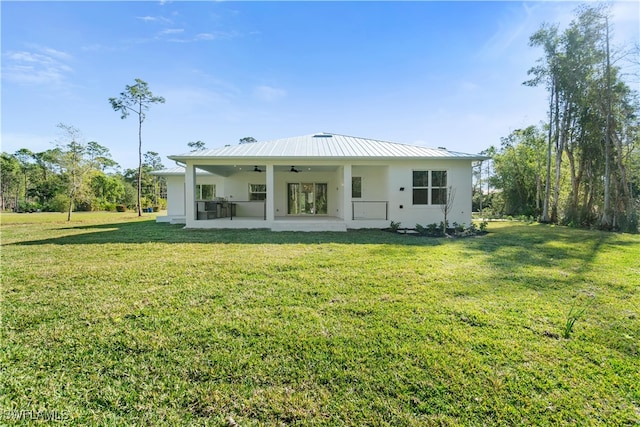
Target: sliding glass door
(304, 198)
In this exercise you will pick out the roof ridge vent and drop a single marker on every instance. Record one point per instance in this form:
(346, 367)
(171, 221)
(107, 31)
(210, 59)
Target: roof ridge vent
(323, 135)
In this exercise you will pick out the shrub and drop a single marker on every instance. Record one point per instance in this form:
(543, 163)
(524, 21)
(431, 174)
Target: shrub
(145, 202)
(394, 226)
(59, 203)
(27, 207)
(121, 208)
(83, 206)
(434, 229)
(629, 221)
(109, 207)
(458, 228)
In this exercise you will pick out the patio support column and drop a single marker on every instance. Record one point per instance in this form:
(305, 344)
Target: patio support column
(190, 194)
(347, 208)
(270, 202)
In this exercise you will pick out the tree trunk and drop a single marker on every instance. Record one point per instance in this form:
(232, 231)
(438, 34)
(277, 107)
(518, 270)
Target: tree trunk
(70, 209)
(605, 219)
(574, 180)
(622, 169)
(140, 160)
(547, 185)
(72, 195)
(561, 132)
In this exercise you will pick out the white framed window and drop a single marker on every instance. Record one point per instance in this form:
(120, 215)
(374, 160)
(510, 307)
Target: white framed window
(205, 191)
(429, 187)
(257, 191)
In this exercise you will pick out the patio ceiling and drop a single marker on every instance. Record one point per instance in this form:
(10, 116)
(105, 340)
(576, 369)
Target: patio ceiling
(228, 170)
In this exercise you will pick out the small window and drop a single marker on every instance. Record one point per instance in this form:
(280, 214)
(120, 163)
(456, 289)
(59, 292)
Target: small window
(429, 187)
(257, 191)
(205, 191)
(356, 187)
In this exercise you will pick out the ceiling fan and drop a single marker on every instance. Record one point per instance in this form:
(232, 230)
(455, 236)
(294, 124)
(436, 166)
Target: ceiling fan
(257, 169)
(293, 169)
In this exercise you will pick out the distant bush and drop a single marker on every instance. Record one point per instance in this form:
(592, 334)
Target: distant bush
(84, 206)
(59, 203)
(145, 202)
(121, 208)
(28, 207)
(162, 203)
(109, 207)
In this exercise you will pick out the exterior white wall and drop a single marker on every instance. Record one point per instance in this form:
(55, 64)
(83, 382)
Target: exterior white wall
(236, 189)
(401, 207)
(175, 196)
(374, 189)
(381, 182)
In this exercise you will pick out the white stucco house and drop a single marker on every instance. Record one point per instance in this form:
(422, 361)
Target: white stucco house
(318, 182)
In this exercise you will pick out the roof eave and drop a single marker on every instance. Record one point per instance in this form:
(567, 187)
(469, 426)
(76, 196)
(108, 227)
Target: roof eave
(323, 158)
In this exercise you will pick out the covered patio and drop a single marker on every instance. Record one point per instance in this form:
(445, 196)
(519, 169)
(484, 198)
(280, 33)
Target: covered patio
(309, 196)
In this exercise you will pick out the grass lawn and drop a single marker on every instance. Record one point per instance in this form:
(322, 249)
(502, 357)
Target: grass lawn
(115, 320)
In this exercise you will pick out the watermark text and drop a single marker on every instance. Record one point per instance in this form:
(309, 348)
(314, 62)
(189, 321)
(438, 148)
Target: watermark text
(25, 414)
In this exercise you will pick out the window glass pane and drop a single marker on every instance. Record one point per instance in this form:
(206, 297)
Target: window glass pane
(321, 199)
(439, 178)
(438, 196)
(208, 191)
(257, 191)
(293, 200)
(356, 187)
(420, 196)
(420, 178)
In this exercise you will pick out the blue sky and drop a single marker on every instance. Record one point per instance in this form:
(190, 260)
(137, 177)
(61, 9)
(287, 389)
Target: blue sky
(426, 73)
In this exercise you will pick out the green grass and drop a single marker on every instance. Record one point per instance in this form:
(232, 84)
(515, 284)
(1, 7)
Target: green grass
(115, 320)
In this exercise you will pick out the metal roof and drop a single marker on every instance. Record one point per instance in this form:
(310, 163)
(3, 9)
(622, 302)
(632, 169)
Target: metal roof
(324, 145)
(177, 171)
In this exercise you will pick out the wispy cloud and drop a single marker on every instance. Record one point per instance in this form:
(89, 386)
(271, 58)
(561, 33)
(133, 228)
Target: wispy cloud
(170, 31)
(269, 93)
(205, 36)
(39, 66)
(200, 37)
(158, 19)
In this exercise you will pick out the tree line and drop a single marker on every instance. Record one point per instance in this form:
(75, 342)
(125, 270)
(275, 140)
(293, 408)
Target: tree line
(77, 175)
(581, 167)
